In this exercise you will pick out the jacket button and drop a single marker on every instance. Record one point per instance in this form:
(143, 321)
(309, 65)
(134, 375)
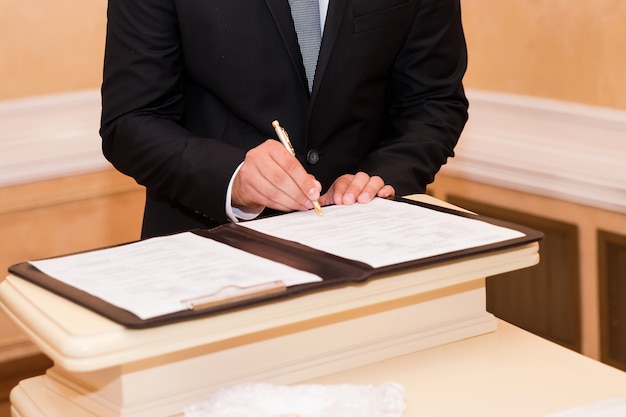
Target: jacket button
(313, 156)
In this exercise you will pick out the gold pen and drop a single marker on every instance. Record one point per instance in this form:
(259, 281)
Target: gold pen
(284, 139)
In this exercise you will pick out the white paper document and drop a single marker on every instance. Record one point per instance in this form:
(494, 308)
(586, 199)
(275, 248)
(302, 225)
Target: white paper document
(164, 275)
(383, 232)
(158, 276)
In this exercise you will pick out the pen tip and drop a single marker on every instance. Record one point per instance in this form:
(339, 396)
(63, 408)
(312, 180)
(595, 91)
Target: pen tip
(318, 208)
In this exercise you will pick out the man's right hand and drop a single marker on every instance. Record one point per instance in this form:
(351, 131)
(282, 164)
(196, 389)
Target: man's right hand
(272, 177)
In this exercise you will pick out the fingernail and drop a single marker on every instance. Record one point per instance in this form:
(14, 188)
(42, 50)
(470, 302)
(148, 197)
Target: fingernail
(313, 194)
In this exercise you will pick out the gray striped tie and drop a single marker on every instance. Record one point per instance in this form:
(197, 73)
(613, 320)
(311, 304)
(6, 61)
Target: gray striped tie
(306, 18)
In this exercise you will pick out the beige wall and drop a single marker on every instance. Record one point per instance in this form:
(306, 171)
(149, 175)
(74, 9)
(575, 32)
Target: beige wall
(570, 50)
(50, 46)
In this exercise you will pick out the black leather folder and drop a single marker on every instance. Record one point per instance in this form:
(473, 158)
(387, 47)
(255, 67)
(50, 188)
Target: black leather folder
(333, 270)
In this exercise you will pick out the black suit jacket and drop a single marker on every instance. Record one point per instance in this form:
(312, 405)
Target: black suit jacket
(190, 85)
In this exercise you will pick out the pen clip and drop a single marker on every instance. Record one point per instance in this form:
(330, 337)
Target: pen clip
(291, 149)
(283, 137)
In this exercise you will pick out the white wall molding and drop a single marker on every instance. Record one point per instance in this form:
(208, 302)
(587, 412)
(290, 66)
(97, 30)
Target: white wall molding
(551, 148)
(50, 136)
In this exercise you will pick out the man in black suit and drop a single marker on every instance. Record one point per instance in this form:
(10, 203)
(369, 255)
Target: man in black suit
(191, 88)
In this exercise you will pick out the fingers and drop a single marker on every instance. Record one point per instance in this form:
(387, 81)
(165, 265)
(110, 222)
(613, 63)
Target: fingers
(356, 188)
(386, 192)
(271, 177)
(360, 187)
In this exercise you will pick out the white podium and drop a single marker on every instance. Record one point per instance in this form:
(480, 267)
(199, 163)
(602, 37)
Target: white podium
(506, 373)
(103, 369)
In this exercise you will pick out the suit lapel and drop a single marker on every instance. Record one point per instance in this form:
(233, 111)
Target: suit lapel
(334, 18)
(332, 26)
(282, 17)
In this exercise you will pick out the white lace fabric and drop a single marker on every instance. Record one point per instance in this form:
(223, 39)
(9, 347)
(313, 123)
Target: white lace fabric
(268, 400)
